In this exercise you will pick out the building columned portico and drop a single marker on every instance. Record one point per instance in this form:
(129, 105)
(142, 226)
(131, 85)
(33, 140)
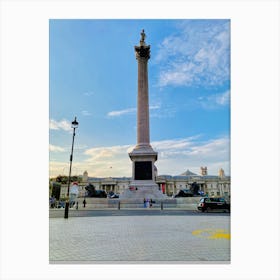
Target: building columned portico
(210, 185)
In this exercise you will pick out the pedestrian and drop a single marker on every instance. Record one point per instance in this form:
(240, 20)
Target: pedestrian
(52, 204)
(144, 202)
(84, 202)
(77, 205)
(151, 203)
(147, 203)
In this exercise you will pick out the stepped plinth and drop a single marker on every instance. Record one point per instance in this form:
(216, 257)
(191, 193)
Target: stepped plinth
(143, 189)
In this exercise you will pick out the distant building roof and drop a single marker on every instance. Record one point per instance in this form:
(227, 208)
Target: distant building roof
(164, 176)
(182, 177)
(187, 173)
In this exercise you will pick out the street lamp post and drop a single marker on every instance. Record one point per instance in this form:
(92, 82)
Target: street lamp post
(74, 126)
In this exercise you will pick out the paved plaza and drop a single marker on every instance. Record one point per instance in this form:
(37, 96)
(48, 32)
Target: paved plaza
(140, 239)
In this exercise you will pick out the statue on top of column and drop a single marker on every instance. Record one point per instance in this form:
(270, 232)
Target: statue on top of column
(143, 36)
(142, 51)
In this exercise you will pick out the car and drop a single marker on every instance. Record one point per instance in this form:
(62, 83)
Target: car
(112, 195)
(213, 203)
(184, 193)
(200, 193)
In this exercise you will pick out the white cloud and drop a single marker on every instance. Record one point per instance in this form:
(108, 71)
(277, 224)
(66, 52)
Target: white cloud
(107, 161)
(54, 148)
(60, 125)
(174, 157)
(57, 168)
(154, 107)
(88, 93)
(174, 144)
(129, 111)
(86, 113)
(223, 99)
(105, 153)
(197, 55)
(215, 100)
(121, 112)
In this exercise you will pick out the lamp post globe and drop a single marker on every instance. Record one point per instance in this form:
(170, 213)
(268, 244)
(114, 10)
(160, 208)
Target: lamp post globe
(74, 125)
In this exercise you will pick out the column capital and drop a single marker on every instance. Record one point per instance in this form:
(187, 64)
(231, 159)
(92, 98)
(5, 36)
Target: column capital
(142, 52)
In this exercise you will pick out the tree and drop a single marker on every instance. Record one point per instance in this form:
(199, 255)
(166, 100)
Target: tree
(61, 179)
(64, 179)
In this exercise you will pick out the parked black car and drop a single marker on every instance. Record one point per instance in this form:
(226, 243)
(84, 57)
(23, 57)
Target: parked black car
(184, 193)
(213, 203)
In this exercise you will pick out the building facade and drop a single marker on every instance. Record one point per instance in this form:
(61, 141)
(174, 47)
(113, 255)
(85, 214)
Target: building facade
(211, 185)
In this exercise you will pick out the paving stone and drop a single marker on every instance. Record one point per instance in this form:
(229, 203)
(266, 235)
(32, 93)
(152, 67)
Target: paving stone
(138, 239)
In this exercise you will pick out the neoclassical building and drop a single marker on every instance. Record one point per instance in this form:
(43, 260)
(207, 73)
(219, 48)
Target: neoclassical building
(211, 185)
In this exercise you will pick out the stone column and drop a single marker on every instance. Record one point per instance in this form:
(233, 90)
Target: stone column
(143, 156)
(142, 53)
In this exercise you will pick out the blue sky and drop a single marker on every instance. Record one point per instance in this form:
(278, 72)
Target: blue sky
(93, 76)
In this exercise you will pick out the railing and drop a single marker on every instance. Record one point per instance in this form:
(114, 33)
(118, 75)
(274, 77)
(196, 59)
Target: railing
(119, 205)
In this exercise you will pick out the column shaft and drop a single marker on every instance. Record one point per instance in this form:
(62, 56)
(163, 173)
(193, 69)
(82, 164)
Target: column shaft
(143, 130)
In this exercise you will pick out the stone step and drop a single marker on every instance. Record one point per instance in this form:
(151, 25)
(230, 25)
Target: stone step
(144, 192)
(187, 203)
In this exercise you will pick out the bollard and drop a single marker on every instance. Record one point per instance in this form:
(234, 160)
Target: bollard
(161, 205)
(119, 205)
